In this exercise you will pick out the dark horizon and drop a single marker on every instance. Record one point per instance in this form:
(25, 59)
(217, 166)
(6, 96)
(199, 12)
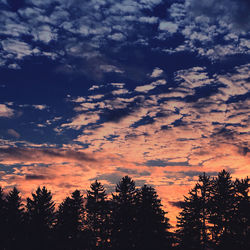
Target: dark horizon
(214, 215)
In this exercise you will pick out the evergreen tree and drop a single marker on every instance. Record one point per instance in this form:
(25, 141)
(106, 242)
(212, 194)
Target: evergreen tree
(222, 210)
(40, 216)
(203, 188)
(69, 224)
(123, 215)
(216, 214)
(240, 223)
(189, 223)
(97, 219)
(14, 219)
(2, 219)
(194, 230)
(151, 223)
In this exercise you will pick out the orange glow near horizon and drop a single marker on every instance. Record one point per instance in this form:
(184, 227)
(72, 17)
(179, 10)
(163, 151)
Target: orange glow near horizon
(64, 173)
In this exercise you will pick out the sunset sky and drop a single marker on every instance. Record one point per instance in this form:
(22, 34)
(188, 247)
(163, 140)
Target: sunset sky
(98, 89)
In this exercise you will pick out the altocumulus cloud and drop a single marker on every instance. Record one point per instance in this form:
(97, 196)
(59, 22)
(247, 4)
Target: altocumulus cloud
(232, 11)
(91, 24)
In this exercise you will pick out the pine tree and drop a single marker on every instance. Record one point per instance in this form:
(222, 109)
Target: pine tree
(151, 223)
(216, 214)
(123, 215)
(189, 223)
(97, 219)
(2, 219)
(203, 187)
(193, 224)
(40, 216)
(240, 223)
(222, 210)
(14, 219)
(69, 223)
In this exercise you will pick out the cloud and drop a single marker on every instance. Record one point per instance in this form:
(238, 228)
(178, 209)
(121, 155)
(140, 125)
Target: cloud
(213, 37)
(151, 86)
(112, 178)
(82, 120)
(77, 29)
(118, 85)
(111, 68)
(18, 154)
(5, 111)
(120, 92)
(120, 109)
(170, 27)
(40, 107)
(150, 20)
(132, 172)
(164, 163)
(16, 48)
(35, 177)
(117, 37)
(178, 204)
(235, 12)
(44, 34)
(156, 73)
(244, 150)
(145, 88)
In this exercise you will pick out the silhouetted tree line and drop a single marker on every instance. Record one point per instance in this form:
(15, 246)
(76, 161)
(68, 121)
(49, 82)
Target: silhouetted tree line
(215, 215)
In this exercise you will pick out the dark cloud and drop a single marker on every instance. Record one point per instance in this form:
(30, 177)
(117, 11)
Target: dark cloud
(143, 121)
(133, 172)
(179, 122)
(244, 150)
(112, 178)
(226, 133)
(189, 173)
(35, 177)
(178, 204)
(235, 12)
(116, 115)
(165, 127)
(34, 154)
(238, 98)
(204, 92)
(163, 163)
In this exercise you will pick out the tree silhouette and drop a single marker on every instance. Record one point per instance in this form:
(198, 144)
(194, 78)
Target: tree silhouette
(123, 215)
(240, 222)
(215, 215)
(69, 222)
(14, 219)
(189, 222)
(2, 219)
(40, 216)
(203, 188)
(222, 210)
(151, 222)
(98, 216)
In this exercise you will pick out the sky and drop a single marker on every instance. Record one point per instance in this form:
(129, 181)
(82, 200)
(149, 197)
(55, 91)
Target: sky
(98, 89)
